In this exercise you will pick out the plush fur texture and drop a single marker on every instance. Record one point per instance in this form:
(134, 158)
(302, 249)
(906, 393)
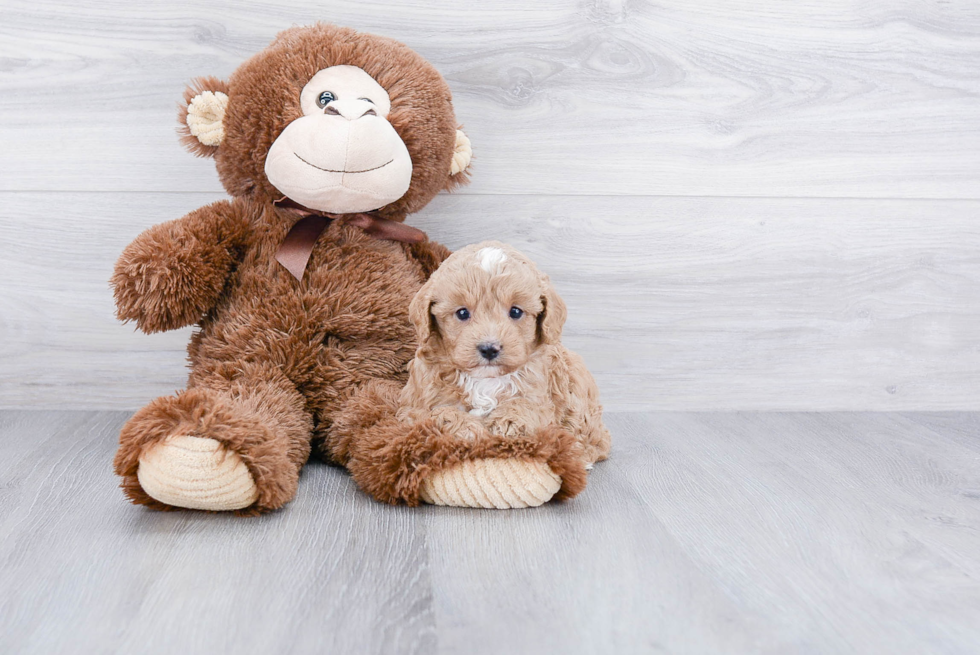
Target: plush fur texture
(282, 367)
(390, 459)
(490, 295)
(264, 97)
(273, 359)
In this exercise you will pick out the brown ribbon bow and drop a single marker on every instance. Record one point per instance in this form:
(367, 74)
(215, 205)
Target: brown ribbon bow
(296, 248)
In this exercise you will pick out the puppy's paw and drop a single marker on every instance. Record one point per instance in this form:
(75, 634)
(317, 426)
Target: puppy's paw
(456, 422)
(508, 426)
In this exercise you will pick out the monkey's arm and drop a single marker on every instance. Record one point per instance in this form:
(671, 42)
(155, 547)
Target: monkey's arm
(173, 273)
(428, 255)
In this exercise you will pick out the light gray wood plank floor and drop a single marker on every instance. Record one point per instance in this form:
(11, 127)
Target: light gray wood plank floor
(704, 533)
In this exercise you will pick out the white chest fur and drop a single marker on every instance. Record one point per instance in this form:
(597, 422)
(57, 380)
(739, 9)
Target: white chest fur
(484, 394)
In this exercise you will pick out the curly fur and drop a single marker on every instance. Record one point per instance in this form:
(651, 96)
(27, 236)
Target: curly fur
(533, 384)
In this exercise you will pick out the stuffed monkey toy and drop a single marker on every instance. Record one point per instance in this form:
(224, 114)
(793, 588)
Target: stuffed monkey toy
(300, 284)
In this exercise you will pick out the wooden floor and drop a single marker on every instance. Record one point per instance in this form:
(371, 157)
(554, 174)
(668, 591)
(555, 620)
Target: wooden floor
(704, 533)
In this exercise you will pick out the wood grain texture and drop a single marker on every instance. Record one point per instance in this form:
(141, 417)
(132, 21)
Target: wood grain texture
(675, 303)
(831, 98)
(84, 572)
(795, 505)
(720, 532)
(590, 121)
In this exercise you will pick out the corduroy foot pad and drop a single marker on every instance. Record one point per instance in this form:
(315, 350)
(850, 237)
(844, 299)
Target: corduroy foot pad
(196, 473)
(492, 484)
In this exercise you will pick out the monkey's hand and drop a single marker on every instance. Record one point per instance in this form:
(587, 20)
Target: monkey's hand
(173, 273)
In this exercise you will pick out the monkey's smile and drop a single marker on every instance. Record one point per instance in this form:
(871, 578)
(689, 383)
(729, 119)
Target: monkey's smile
(330, 170)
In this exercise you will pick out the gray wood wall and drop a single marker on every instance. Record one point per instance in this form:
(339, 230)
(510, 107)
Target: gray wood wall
(746, 205)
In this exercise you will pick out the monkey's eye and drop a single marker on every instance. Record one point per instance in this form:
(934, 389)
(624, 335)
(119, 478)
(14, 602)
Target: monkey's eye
(463, 314)
(368, 99)
(325, 98)
(516, 312)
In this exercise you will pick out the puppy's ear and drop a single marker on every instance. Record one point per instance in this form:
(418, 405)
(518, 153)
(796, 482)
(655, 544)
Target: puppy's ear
(420, 314)
(553, 313)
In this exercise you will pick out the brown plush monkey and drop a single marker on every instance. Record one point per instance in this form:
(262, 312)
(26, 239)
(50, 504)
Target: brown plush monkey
(300, 284)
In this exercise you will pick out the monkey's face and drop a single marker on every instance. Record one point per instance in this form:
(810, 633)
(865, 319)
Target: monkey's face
(342, 155)
(333, 119)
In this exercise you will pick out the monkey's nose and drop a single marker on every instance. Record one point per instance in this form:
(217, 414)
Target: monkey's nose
(350, 109)
(489, 351)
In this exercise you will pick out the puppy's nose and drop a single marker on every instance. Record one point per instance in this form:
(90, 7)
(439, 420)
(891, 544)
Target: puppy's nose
(489, 351)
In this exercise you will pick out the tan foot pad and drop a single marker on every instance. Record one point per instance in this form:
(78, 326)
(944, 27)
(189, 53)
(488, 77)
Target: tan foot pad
(196, 473)
(492, 483)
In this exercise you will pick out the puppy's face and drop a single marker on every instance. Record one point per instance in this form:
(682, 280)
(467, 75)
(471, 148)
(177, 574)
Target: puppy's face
(485, 309)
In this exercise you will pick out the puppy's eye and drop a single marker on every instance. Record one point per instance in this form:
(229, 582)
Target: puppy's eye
(516, 312)
(463, 314)
(325, 98)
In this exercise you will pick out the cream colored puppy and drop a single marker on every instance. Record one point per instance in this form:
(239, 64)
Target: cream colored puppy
(490, 355)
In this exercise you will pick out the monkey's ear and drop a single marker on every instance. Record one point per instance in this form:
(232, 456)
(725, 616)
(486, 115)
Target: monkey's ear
(462, 155)
(201, 116)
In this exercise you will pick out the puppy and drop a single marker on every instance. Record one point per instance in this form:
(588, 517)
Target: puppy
(490, 357)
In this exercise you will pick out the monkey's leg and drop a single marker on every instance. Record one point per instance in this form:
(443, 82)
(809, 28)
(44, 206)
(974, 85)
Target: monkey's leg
(407, 463)
(234, 442)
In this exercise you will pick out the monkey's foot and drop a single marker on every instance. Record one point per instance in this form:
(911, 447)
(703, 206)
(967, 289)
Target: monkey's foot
(196, 473)
(492, 484)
